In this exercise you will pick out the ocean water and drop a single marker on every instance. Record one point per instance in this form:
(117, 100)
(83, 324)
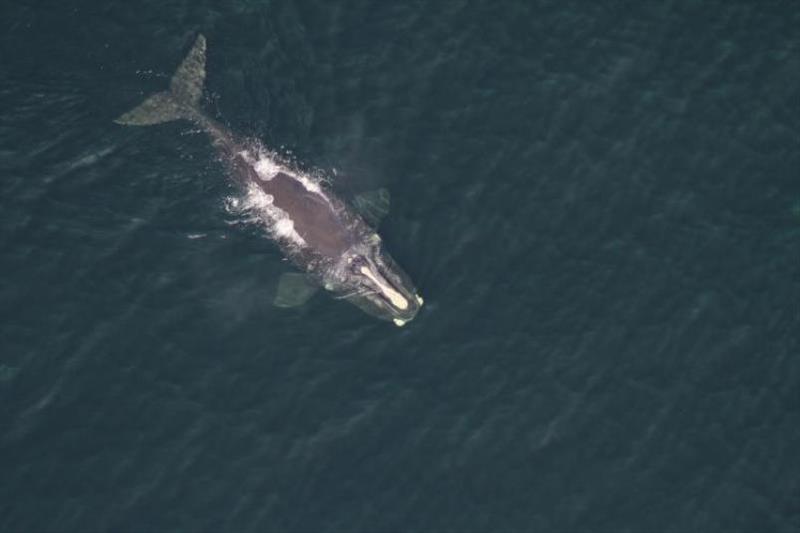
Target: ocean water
(600, 202)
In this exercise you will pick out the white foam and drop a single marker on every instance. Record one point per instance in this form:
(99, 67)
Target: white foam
(259, 199)
(266, 168)
(308, 183)
(261, 206)
(285, 227)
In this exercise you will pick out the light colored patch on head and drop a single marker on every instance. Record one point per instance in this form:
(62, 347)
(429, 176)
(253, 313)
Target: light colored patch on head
(395, 297)
(420, 301)
(398, 322)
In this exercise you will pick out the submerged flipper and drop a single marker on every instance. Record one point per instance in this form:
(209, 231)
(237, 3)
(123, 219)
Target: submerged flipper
(294, 290)
(373, 205)
(183, 96)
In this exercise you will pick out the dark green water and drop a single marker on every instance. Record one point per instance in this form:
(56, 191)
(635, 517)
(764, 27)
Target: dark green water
(600, 202)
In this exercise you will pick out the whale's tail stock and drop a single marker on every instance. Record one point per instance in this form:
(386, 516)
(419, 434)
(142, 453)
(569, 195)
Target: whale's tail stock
(182, 98)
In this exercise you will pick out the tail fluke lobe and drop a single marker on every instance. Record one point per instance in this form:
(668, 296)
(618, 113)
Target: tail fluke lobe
(183, 97)
(187, 83)
(160, 107)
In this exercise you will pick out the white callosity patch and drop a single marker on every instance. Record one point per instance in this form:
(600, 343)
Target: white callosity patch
(395, 297)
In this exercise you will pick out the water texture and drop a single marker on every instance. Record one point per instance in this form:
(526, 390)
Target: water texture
(600, 202)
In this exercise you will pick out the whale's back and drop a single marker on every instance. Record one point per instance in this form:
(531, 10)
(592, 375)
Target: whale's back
(313, 216)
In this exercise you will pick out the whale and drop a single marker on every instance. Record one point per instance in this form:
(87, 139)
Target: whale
(332, 243)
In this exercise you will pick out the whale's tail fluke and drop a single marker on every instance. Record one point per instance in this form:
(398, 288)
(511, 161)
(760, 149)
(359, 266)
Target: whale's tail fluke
(182, 98)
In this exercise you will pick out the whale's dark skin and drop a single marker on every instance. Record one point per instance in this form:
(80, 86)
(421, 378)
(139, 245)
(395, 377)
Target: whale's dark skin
(312, 213)
(314, 218)
(321, 234)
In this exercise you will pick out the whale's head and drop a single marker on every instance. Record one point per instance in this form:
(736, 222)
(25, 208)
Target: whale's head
(378, 285)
